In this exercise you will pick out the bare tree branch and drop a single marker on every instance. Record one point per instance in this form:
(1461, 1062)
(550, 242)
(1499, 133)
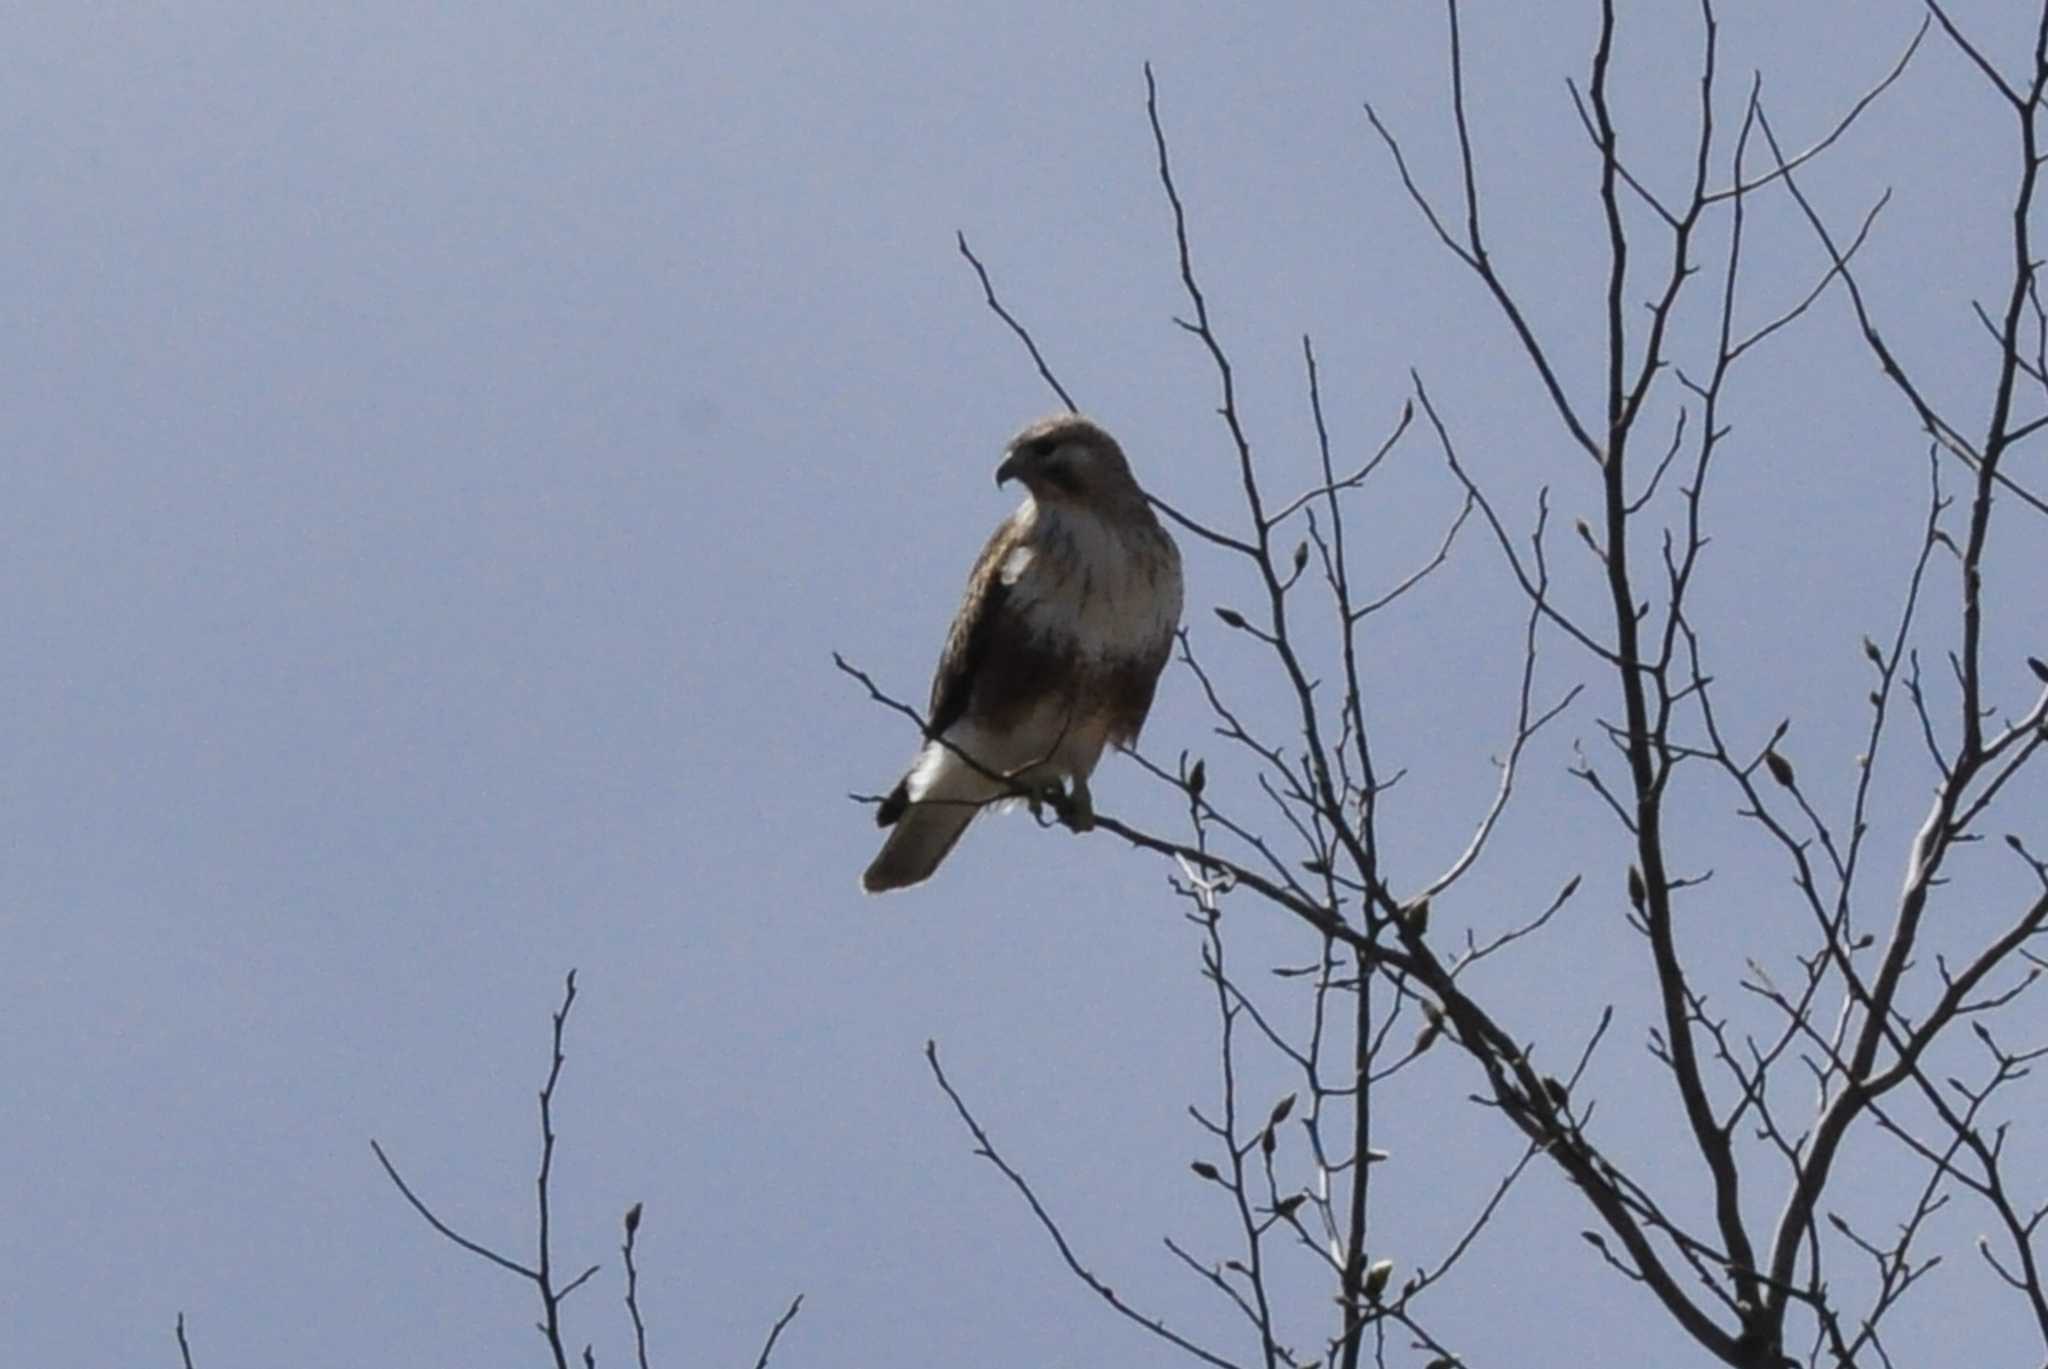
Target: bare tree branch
(987, 1151)
(775, 1332)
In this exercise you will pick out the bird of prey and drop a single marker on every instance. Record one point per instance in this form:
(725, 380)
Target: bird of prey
(1069, 618)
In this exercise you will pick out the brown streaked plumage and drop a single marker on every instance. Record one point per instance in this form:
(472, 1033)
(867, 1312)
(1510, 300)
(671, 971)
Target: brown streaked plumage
(1067, 622)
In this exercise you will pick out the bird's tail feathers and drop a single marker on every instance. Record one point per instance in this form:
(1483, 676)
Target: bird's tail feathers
(917, 843)
(949, 792)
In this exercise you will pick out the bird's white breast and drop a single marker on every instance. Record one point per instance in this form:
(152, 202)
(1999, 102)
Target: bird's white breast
(1111, 588)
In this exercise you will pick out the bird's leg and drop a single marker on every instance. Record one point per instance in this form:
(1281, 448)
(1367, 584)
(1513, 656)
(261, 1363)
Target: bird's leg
(1048, 794)
(1078, 809)
(1035, 792)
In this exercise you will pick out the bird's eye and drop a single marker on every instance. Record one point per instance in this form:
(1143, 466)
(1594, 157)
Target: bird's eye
(1044, 447)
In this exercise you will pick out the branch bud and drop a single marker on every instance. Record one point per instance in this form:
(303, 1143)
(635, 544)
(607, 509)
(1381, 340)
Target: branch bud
(1432, 1028)
(1230, 616)
(1376, 1278)
(1204, 1170)
(1636, 890)
(1780, 768)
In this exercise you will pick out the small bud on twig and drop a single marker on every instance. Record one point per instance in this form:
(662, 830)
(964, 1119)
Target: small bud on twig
(1636, 890)
(1432, 1027)
(1300, 557)
(1204, 1170)
(1198, 778)
(2039, 667)
(1280, 1111)
(632, 1219)
(1230, 616)
(1376, 1278)
(1876, 656)
(1780, 768)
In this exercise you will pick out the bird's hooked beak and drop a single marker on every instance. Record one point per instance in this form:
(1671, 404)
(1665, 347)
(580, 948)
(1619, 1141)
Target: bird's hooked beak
(1012, 467)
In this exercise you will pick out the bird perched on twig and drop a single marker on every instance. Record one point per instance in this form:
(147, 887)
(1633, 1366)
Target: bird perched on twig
(1056, 651)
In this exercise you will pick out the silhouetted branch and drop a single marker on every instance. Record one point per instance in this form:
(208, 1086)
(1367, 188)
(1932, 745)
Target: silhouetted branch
(632, 1225)
(420, 1207)
(542, 1273)
(775, 1332)
(988, 291)
(985, 1148)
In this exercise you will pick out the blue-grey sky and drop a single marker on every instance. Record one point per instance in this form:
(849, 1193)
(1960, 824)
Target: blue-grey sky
(446, 444)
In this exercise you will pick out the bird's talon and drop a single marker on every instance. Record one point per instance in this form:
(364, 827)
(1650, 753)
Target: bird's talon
(1049, 795)
(1078, 812)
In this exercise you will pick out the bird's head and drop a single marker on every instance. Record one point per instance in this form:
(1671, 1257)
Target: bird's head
(1067, 459)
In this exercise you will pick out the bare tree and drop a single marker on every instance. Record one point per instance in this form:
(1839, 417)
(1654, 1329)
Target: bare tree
(1891, 1029)
(541, 1271)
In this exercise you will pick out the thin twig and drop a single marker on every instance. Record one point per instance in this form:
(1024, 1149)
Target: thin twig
(988, 291)
(985, 1148)
(542, 1274)
(633, 1284)
(420, 1207)
(775, 1332)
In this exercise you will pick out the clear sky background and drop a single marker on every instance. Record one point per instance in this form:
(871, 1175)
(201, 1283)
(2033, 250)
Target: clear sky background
(445, 445)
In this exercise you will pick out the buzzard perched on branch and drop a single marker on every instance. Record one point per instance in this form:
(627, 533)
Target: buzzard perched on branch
(1069, 618)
